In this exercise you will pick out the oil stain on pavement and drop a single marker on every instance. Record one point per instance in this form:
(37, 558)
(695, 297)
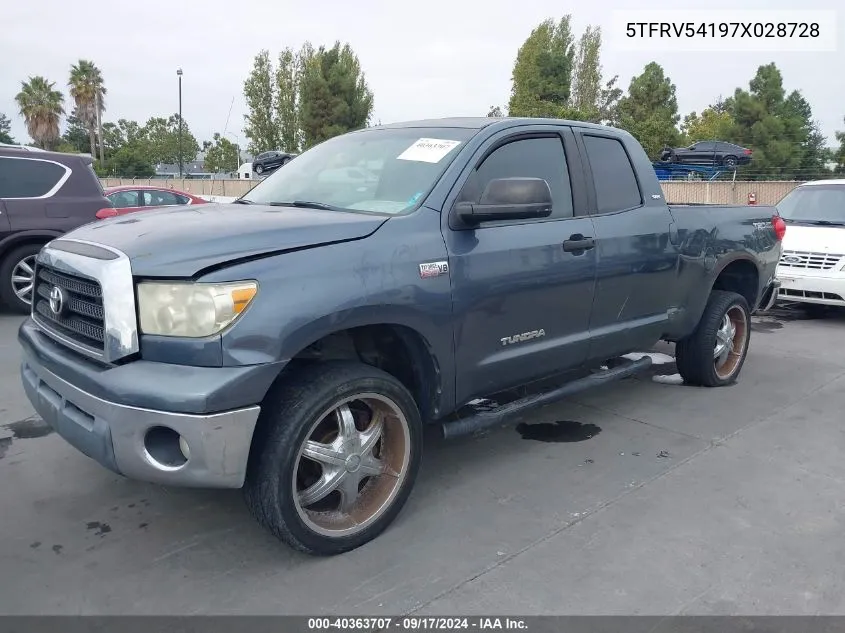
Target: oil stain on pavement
(558, 431)
(101, 528)
(29, 428)
(26, 429)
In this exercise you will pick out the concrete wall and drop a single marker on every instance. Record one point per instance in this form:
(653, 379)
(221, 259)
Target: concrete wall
(722, 192)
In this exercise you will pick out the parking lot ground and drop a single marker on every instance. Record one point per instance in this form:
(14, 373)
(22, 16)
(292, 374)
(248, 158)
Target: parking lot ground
(638, 498)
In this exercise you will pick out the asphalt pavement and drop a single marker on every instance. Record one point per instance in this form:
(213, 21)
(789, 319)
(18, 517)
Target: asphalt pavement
(643, 497)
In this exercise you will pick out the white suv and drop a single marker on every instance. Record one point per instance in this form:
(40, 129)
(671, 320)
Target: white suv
(812, 267)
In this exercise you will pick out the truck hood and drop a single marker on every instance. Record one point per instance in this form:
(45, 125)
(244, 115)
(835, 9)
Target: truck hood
(815, 239)
(182, 241)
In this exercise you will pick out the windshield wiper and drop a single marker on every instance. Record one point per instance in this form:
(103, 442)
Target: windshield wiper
(307, 204)
(242, 201)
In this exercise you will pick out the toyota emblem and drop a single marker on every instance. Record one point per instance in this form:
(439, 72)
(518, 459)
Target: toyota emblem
(57, 300)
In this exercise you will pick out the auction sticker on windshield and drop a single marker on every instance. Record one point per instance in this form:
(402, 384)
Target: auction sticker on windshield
(428, 150)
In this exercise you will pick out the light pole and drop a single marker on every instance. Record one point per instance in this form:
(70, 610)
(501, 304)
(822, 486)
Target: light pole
(179, 74)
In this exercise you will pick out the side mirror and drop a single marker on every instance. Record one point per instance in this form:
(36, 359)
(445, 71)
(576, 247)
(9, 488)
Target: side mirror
(509, 199)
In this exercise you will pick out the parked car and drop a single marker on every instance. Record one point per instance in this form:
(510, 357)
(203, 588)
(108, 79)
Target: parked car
(812, 266)
(268, 161)
(297, 343)
(130, 198)
(709, 153)
(42, 195)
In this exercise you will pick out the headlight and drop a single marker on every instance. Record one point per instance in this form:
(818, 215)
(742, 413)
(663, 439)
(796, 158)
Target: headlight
(191, 309)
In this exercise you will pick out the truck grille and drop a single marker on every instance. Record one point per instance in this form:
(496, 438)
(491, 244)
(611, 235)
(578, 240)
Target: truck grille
(808, 260)
(83, 318)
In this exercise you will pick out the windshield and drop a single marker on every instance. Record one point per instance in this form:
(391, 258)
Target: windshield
(814, 204)
(376, 170)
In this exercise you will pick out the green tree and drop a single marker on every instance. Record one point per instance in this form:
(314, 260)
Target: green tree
(259, 92)
(221, 155)
(650, 110)
(88, 93)
(6, 129)
(334, 96)
(595, 99)
(495, 111)
(839, 152)
(130, 162)
(287, 102)
(76, 135)
(159, 139)
(709, 125)
(787, 143)
(542, 72)
(42, 107)
(811, 142)
(115, 135)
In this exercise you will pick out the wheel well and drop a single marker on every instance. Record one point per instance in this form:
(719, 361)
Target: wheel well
(11, 245)
(741, 277)
(400, 351)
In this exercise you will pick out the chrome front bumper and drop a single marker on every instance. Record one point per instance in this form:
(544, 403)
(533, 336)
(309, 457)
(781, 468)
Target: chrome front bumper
(142, 443)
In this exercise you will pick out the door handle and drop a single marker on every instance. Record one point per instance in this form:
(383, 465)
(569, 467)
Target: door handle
(578, 243)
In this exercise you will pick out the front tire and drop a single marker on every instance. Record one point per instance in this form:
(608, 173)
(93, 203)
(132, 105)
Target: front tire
(713, 355)
(335, 456)
(17, 277)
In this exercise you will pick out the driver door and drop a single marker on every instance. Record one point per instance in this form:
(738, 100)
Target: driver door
(521, 296)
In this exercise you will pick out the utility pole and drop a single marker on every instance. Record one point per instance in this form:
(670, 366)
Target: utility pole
(179, 74)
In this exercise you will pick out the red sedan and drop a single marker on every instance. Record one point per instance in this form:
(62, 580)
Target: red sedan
(131, 198)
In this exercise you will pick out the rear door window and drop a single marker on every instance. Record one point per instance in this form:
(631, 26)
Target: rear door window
(30, 177)
(613, 174)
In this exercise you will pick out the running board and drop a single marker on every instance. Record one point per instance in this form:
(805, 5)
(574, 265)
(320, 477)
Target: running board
(505, 413)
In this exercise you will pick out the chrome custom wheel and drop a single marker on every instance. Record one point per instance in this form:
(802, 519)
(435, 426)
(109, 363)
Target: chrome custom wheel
(730, 342)
(23, 279)
(352, 465)
(714, 353)
(334, 456)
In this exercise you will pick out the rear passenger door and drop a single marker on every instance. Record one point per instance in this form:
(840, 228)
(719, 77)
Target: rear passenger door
(511, 278)
(636, 261)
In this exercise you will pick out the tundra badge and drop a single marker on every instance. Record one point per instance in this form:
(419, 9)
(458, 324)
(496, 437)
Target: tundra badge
(434, 269)
(521, 338)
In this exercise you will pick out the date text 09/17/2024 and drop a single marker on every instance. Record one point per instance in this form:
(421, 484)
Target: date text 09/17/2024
(412, 623)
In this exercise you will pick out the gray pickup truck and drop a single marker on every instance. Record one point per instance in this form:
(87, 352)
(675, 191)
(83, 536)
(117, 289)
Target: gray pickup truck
(295, 343)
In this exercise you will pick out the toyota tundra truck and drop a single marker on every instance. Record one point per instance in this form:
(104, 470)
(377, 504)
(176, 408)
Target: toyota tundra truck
(294, 343)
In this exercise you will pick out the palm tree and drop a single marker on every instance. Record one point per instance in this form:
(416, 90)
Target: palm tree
(42, 107)
(87, 90)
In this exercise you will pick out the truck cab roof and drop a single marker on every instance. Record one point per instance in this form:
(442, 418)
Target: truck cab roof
(480, 122)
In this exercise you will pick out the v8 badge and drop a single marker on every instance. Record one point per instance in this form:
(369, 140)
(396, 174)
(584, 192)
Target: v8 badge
(434, 269)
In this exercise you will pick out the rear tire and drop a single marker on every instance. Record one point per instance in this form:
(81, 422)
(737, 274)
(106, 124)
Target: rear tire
(334, 458)
(713, 355)
(17, 266)
(259, 169)
(730, 162)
